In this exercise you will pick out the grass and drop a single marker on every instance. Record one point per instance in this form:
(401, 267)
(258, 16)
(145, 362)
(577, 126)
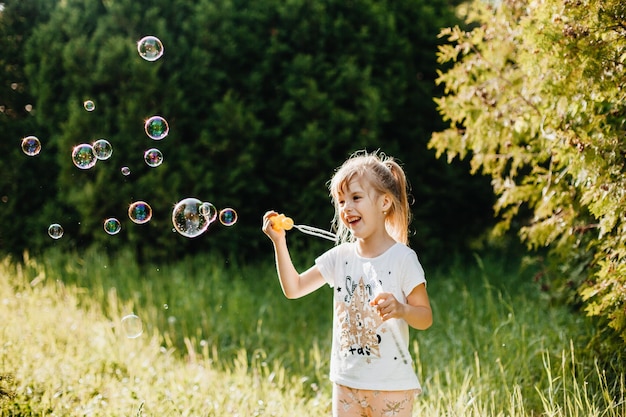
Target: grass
(220, 339)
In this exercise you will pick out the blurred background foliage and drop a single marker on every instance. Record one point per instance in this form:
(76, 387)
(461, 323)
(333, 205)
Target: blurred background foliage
(264, 100)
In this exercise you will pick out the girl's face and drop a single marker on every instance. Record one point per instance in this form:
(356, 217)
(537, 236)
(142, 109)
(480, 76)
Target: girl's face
(361, 209)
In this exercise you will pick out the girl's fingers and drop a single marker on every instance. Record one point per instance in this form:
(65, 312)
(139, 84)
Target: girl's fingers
(267, 222)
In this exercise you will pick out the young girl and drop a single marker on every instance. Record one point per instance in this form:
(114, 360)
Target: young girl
(379, 288)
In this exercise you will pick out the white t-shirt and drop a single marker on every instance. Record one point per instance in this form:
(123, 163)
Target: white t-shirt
(368, 353)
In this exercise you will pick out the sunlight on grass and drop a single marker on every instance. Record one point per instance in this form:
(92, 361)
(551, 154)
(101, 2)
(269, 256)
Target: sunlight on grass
(63, 351)
(67, 360)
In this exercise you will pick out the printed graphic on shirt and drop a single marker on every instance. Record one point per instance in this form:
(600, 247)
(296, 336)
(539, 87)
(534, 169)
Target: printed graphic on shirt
(358, 320)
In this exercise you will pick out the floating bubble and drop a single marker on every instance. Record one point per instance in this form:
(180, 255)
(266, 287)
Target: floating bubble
(153, 157)
(55, 231)
(140, 212)
(228, 217)
(133, 328)
(150, 48)
(112, 226)
(89, 105)
(187, 219)
(83, 156)
(209, 211)
(102, 149)
(125, 171)
(31, 145)
(156, 128)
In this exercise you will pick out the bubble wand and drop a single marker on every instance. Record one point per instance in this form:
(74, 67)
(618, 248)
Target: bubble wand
(281, 222)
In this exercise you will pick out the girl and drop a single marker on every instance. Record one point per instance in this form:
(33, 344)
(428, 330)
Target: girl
(379, 288)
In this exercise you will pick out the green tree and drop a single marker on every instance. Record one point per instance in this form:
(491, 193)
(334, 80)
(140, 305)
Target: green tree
(536, 100)
(264, 99)
(26, 182)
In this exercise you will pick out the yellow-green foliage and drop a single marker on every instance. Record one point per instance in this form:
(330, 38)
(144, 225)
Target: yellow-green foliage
(535, 96)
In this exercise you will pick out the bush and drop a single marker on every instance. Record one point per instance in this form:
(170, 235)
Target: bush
(264, 99)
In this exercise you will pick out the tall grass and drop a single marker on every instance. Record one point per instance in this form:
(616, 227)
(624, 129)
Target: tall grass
(220, 339)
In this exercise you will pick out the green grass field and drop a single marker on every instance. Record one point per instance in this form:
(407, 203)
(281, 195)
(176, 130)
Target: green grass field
(220, 339)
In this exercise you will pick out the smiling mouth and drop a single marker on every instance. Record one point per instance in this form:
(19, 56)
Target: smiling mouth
(352, 220)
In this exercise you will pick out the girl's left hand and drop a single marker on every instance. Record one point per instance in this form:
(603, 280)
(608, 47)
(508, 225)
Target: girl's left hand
(387, 306)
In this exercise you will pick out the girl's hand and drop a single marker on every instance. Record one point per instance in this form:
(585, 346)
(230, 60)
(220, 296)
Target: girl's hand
(267, 228)
(388, 307)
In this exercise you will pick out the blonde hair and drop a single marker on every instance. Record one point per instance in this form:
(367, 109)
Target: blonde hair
(385, 176)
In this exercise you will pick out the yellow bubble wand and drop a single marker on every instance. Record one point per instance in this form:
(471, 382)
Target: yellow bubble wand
(282, 222)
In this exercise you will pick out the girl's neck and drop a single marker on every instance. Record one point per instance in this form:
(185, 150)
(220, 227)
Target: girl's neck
(374, 246)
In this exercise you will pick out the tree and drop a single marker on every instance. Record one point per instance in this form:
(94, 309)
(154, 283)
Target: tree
(264, 99)
(26, 194)
(536, 100)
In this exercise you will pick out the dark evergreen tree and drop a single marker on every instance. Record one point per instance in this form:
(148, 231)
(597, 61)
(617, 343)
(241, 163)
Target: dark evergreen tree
(27, 183)
(264, 99)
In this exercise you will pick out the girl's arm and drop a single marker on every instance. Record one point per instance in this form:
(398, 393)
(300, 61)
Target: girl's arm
(294, 284)
(417, 311)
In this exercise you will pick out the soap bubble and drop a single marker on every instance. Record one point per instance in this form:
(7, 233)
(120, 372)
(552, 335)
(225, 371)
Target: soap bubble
(140, 212)
(132, 325)
(150, 48)
(112, 226)
(55, 231)
(89, 105)
(84, 156)
(209, 211)
(187, 219)
(156, 128)
(228, 217)
(102, 149)
(31, 145)
(125, 171)
(153, 157)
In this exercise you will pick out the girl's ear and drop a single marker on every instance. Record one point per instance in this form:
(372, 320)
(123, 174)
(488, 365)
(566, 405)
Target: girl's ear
(386, 202)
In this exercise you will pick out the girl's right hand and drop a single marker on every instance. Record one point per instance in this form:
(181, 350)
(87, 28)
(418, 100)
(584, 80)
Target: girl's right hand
(267, 228)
